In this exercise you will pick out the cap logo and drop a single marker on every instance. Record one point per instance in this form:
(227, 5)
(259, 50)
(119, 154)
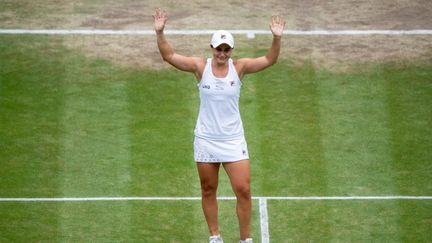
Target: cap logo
(223, 36)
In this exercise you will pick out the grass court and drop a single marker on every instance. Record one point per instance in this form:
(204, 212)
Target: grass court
(74, 125)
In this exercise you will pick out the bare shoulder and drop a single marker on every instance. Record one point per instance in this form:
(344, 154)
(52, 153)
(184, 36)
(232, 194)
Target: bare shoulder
(200, 63)
(240, 66)
(241, 62)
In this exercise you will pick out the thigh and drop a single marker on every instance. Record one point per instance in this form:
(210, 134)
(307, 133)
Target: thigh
(208, 173)
(239, 173)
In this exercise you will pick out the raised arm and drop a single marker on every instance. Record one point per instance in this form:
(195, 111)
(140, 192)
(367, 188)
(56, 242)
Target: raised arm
(184, 63)
(252, 65)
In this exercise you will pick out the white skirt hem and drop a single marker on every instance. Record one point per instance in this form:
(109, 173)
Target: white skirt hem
(211, 151)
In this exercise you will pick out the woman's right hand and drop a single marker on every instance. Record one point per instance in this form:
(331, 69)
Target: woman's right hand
(277, 25)
(160, 17)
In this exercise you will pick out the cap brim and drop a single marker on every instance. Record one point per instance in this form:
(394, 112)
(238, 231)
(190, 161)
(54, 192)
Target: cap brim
(216, 44)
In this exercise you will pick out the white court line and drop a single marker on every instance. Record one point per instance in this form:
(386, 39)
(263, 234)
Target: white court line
(265, 235)
(249, 33)
(79, 199)
(314, 198)
(353, 198)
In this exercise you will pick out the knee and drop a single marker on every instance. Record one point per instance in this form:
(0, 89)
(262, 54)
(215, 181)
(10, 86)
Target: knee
(208, 190)
(243, 191)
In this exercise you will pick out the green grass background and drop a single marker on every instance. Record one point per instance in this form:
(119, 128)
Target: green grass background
(72, 126)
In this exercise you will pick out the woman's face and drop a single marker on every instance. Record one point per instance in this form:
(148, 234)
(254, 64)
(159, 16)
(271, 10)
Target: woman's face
(222, 53)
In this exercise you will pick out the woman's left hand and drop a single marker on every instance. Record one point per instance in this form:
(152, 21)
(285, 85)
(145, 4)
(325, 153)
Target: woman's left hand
(277, 25)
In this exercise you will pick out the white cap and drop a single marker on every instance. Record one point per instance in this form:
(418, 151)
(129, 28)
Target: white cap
(222, 37)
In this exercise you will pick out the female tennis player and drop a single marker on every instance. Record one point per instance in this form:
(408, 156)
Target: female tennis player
(219, 136)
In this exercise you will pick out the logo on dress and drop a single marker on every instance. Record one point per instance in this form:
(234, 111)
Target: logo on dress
(232, 83)
(206, 86)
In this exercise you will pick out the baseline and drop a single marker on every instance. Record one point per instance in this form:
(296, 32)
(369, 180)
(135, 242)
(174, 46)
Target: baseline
(72, 199)
(248, 33)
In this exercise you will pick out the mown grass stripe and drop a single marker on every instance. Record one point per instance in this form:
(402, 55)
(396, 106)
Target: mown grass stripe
(96, 143)
(409, 117)
(356, 138)
(31, 141)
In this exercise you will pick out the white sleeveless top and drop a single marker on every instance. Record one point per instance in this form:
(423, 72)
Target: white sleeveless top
(219, 114)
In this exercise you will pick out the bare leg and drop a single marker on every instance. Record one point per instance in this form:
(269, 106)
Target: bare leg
(209, 176)
(239, 174)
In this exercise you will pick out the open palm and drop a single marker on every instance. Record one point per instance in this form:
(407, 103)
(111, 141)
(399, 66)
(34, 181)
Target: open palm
(277, 25)
(160, 17)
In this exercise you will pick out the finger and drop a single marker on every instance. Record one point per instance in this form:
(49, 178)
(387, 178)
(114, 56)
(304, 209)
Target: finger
(279, 20)
(155, 14)
(160, 14)
(273, 20)
(282, 22)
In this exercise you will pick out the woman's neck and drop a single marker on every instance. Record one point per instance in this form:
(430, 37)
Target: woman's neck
(220, 70)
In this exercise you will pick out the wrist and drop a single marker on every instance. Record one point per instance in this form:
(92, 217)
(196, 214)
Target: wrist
(277, 37)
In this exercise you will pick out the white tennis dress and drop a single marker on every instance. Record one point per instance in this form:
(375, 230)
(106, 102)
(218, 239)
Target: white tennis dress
(219, 135)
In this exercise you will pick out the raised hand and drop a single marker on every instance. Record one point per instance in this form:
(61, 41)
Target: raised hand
(160, 17)
(277, 25)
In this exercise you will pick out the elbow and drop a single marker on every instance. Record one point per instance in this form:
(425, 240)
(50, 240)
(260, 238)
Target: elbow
(167, 58)
(272, 60)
